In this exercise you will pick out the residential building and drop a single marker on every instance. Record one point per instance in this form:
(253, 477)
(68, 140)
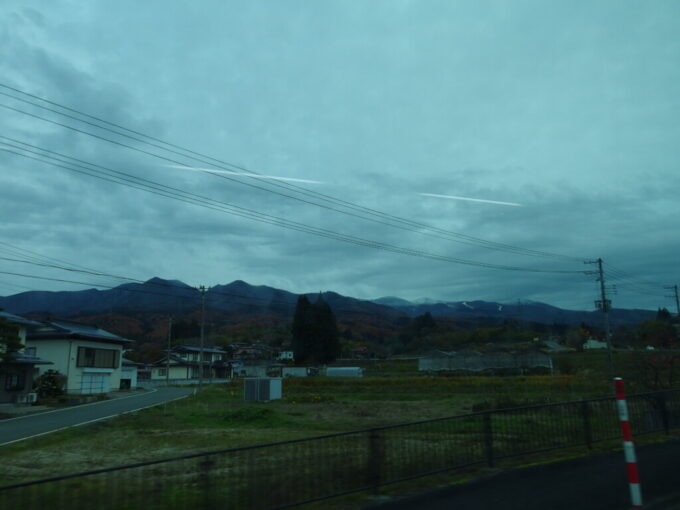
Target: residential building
(184, 362)
(251, 351)
(16, 375)
(89, 357)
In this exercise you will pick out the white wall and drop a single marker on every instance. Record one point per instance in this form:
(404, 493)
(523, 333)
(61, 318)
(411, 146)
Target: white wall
(129, 372)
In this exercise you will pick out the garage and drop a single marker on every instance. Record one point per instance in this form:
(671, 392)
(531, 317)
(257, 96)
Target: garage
(95, 383)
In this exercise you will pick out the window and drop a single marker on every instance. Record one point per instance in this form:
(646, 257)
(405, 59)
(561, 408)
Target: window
(162, 372)
(97, 358)
(15, 382)
(30, 351)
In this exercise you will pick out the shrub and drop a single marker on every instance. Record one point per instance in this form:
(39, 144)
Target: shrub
(50, 384)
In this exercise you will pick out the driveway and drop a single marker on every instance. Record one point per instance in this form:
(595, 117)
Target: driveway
(38, 424)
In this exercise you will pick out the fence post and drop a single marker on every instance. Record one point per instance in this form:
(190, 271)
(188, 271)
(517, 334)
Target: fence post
(587, 429)
(488, 440)
(664, 412)
(206, 481)
(628, 445)
(376, 457)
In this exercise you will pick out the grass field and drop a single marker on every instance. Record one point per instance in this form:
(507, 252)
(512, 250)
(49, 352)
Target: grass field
(217, 418)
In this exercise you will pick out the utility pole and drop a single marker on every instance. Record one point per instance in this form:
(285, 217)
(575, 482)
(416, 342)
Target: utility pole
(674, 288)
(167, 358)
(202, 289)
(604, 304)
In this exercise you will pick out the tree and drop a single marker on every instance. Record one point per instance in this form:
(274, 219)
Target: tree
(316, 337)
(659, 366)
(10, 342)
(663, 315)
(326, 346)
(657, 333)
(302, 331)
(50, 384)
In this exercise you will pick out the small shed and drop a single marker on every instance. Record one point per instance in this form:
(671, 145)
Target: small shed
(128, 374)
(344, 372)
(262, 389)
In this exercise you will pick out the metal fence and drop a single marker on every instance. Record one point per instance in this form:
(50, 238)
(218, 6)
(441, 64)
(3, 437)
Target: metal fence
(291, 473)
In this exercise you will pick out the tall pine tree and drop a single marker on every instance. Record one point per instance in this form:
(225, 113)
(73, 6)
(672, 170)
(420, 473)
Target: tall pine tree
(316, 338)
(327, 341)
(302, 330)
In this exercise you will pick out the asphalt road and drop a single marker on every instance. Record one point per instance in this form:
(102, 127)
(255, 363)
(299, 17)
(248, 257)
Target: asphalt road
(25, 427)
(591, 483)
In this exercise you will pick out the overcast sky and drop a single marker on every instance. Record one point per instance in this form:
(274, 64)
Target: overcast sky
(560, 120)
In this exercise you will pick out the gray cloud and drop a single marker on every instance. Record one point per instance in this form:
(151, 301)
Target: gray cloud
(568, 108)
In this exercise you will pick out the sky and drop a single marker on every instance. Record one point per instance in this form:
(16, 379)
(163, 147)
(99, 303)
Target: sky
(545, 132)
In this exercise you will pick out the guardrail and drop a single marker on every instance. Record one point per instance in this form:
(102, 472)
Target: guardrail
(291, 473)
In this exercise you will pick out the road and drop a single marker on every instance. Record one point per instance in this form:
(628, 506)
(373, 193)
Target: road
(591, 483)
(38, 424)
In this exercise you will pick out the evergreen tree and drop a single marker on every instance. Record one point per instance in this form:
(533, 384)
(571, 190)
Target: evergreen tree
(327, 336)
(663, 315)
(301, 330)
(316, 337)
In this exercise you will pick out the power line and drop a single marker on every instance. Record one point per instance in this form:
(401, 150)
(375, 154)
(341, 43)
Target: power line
(149, 186)
(402, 223)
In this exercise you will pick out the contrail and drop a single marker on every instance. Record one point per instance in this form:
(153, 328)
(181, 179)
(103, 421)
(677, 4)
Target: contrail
(451, 197)
(243, 174)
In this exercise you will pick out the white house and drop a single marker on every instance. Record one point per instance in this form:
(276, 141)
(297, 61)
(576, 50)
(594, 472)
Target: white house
(184, 363)
(89, 357)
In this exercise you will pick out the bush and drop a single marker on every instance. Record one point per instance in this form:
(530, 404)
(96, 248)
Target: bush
(50, 384)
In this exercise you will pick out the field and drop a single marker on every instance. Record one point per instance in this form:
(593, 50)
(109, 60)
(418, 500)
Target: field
(217, 418)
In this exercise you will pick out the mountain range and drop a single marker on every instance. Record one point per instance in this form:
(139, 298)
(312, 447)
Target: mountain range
(243, 299)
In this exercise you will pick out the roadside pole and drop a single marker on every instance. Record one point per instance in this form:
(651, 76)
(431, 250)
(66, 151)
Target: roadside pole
(167, 358)
(628, 445)
(200, 356)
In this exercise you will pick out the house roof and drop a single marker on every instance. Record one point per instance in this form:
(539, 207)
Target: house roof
(18, 320)
(177, 361)
(192, 348)
(24, 359)
(59, 329)
(130, 363)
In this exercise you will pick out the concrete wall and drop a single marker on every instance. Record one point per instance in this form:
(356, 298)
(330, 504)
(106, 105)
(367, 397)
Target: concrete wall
(150, 383)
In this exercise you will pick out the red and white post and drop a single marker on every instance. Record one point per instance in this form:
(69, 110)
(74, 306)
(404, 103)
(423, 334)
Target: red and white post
(628, 445)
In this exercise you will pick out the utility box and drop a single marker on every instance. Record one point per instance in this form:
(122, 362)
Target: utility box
(344, 372)
(262, 389)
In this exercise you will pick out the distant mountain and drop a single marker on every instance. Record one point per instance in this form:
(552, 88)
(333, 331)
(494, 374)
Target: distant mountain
(392, 301)
(239, 298)
(172, 296)
(530, 311)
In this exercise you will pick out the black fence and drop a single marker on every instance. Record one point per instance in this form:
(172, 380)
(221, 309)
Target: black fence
(291, 473)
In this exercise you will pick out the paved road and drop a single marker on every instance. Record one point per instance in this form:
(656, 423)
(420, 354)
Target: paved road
(24, 427)
(591, 483)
